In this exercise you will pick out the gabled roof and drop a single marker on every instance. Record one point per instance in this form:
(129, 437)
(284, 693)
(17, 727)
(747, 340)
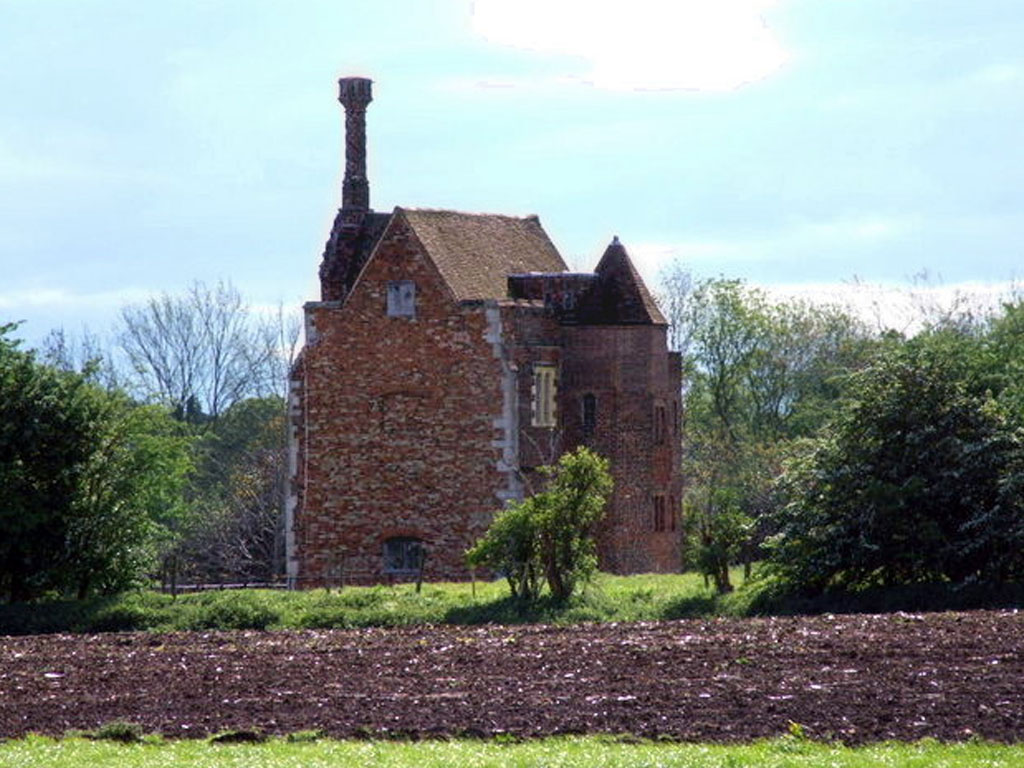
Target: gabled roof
(620, 296)
(475, 252)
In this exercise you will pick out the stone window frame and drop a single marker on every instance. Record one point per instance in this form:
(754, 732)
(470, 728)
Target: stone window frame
(401, 298)
(544, 394)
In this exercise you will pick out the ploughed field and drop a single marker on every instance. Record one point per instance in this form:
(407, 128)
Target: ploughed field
(852, 678)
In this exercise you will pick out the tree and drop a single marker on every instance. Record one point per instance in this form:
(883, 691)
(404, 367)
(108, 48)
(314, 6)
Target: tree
(236, 492)
(203, 351)
(89, 480)
(129, 499)
(918, 478)
(551, 532)
(761, 374)
(45, 437)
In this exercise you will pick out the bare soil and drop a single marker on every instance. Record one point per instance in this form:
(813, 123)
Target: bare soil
(856, 679)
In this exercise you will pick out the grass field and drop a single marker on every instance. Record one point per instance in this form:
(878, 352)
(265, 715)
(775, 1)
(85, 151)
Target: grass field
(607, 598)
(578, 752)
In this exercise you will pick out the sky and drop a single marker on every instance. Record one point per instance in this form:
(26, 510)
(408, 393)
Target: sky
(796, 144)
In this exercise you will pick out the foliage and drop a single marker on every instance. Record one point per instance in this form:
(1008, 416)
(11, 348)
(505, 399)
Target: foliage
(234, 529)
(760, 375)
(919, 478)
(550, 534)
(717, 531)
(129, 497)
(510, 548)
(648, 597)
(90, 481)
(220, 368)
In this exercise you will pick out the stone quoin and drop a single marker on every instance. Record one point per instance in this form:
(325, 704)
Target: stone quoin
(450, 355)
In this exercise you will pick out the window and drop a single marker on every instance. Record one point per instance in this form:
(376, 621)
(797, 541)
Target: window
(403, 554)
(659, 513)
(401, 298)
(660, 425)
(544, 396)
(589, 414)
(673, 513)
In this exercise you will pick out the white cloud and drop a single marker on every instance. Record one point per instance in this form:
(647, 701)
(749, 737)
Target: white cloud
(711, 45)
(902, 306)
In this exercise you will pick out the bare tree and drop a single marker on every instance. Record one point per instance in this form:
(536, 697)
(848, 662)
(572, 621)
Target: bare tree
(676, 290)
(202, 351)
(84, 353)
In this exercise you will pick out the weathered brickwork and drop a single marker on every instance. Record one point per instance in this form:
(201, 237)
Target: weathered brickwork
(627, 372)
(451, 355)
(399, 413)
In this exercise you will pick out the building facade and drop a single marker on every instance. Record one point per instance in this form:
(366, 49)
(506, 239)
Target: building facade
(450, 356)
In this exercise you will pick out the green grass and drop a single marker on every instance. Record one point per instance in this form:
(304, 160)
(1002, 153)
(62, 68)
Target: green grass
(576, 752)
(607, 598)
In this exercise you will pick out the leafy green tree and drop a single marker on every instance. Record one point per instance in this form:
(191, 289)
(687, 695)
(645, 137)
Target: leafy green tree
(89, 480)
(46, 429)
(760, 375)
(1005, 346)
(918, 478)
(129, 499)
(717, 532)
(551, 532)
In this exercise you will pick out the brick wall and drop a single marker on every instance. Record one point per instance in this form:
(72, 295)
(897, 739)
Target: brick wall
(399, 419)
(629, 373)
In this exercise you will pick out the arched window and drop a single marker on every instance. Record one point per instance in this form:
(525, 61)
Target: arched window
(403, 554)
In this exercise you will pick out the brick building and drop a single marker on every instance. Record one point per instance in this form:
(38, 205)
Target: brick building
(449, 356)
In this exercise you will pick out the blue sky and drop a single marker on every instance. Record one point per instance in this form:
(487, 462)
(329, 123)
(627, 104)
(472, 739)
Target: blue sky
(788, 142)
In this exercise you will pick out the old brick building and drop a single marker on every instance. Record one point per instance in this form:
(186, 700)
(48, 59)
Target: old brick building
(449, 356)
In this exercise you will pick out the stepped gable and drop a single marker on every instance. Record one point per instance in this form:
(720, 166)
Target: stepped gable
(619, 296)
(476, 252)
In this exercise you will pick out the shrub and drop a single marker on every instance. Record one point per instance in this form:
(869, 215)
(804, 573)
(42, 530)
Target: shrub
(550, 534)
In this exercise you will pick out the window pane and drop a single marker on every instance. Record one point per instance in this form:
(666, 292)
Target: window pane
(401, 298)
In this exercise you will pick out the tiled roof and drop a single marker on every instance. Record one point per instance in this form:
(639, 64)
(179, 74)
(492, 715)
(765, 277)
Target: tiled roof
(475, 252)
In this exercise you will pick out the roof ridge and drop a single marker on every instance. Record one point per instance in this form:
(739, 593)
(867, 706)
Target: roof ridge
(524, 217)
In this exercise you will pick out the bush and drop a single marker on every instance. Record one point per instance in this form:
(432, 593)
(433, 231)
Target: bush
(919, 479)
(550, 534)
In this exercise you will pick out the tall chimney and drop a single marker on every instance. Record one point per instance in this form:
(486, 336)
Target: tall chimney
(355, 94)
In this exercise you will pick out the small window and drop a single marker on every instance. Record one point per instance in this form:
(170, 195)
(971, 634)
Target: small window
(403, 554)
(544, 396)
(401, 298)
(673, 513)
(589, 414)
(659, 513)
(660, 424)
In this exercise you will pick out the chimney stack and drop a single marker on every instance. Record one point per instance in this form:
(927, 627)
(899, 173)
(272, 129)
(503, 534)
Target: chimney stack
(355, 94)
